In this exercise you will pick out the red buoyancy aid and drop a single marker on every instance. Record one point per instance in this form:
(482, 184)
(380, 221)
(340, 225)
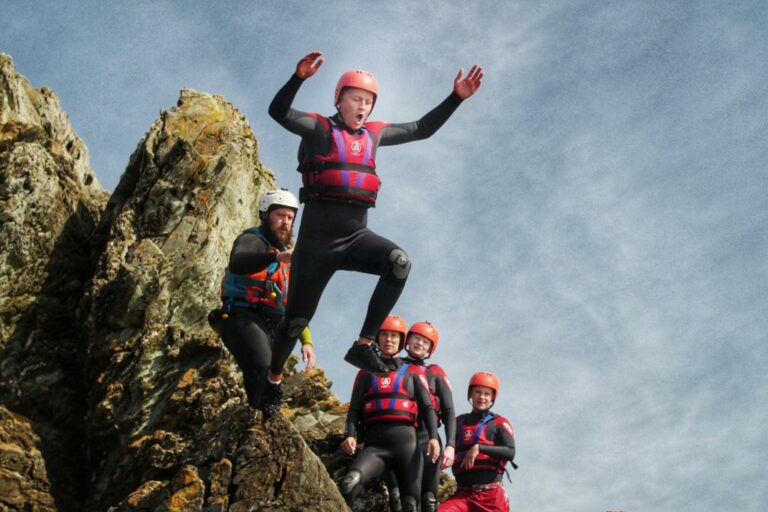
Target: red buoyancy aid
(433, 373)
(265, 290)
(388, 399)
(347, 173)
(469, 435)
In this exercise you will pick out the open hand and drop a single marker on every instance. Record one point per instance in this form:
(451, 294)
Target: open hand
(466, 87)
(309, 65)
(348, 445)
(308, 356)
(448, 456)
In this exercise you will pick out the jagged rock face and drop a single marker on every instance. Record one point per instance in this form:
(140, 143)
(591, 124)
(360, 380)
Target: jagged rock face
(23, 480)
(103, 338)
(49, 203)
(166, 422)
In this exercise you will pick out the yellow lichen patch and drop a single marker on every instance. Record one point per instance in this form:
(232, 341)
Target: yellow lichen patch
(190, 493)
(187, 379)
(140, 441)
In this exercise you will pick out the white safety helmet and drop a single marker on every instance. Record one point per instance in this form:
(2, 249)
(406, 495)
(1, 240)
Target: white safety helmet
(276, 199)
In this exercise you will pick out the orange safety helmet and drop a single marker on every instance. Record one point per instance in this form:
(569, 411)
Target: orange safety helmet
(357, 78)
(486, 379)
(397, 324)
(429, 331)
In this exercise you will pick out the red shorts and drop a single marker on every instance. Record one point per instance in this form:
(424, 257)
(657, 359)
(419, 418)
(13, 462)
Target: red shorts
(470, 500)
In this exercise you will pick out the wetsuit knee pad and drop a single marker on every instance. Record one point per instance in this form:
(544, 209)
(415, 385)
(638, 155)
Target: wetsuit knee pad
(295, 326)
(428, 502)
(410, 504)
(401, 264)
(350, 482)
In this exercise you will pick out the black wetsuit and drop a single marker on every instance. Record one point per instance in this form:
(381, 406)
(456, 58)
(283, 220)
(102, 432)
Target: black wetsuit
(333, 234)
(440, 388)
(388, 445)
(247, 332)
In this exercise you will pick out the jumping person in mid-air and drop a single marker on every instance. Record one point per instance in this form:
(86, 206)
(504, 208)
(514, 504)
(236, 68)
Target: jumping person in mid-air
(337, 160)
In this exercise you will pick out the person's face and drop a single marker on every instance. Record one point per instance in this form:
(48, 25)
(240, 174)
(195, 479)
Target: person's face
(418, 345)
(481, 398)
(389, 343)
(355, 106)
(280, 222)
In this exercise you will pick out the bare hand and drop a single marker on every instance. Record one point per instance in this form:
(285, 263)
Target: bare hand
(348, 445)
(469, 458)
(466, 87)
(308, 356)
(448, 456)
(433, 450)
(284, 256)
(309, 65)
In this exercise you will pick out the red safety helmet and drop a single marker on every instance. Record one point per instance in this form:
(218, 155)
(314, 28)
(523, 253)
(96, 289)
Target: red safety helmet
(356, 78)
(397, 324)
(429, 331)
(486, 379)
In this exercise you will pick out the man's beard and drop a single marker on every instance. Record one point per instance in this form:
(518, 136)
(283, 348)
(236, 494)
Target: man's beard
(279, 238)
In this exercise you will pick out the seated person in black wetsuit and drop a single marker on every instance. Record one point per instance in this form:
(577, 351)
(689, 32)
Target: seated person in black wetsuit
(337, 161)
(385, 407)
(421, 344)
(253, 292)
(484, 444)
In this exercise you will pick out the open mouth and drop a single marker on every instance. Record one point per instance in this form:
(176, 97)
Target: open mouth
(359, 118)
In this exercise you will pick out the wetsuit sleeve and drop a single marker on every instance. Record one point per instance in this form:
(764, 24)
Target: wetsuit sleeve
(354, 414)
(295, 121)
(305, 337)
(447, 412)
(426, 411)
(399, 133)
(250, 254)
(504, 442)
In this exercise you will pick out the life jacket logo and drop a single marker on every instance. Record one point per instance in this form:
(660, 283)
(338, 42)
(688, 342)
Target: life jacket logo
(357, 147)
(405, 403)
(467, 434)
(386, 382)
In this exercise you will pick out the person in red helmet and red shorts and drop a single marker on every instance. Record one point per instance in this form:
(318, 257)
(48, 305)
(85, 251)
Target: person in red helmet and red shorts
(383, 411)
(421, 344)
(484, 444)
(337, 160)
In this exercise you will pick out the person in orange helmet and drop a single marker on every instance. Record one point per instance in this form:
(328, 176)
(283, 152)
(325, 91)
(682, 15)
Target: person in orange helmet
(385, 409)
(421, 344)
(484, 444)
(337, 158)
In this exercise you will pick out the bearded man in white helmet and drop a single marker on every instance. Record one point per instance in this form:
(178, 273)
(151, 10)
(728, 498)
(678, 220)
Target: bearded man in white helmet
(254, 292)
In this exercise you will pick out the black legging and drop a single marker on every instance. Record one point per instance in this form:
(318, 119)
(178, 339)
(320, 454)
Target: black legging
(247, 335)
(430, 476)
(387, 447)
(334, 236)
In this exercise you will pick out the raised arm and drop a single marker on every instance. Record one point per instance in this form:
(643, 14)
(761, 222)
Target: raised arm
(463, 88)
(296, 121)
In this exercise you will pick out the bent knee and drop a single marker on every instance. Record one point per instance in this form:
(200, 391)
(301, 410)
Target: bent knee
(400, 264)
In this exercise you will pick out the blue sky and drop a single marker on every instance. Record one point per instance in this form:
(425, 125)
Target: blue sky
(591, 226)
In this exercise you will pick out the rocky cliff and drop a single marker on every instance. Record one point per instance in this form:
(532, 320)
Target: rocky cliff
(116, 395)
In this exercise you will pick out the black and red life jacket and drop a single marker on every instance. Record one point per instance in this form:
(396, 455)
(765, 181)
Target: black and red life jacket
(433, 372)
(347, 173)
(387, 399)
(469, 435)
